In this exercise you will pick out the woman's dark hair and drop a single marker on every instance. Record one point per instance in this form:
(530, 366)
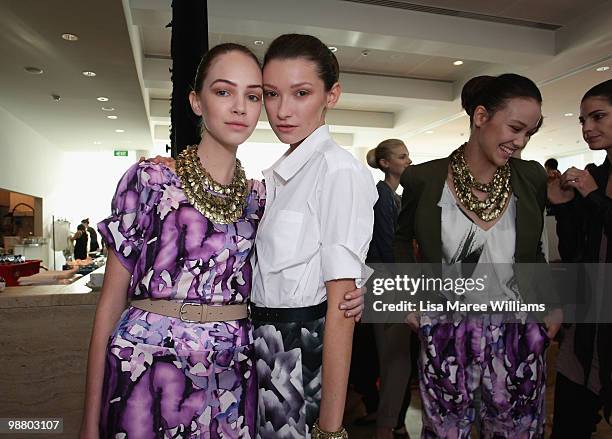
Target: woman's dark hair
(291, 46)
(492, 92)
(603, 90)
(81, 227)
(211, 55)
(552, 164)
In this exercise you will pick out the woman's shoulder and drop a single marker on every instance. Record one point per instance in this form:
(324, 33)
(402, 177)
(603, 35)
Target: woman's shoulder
(425, 173)
(529, 169)
(152, 175)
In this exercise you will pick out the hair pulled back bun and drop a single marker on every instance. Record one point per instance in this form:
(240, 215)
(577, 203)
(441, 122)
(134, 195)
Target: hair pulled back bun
(291, 46)
(382, 151)
(492, 92)
(601, 90)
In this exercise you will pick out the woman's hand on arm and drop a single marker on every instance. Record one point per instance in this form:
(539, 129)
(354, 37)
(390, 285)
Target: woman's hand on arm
(168, 162)
(353, 303)
(337, 346)
(111, 303)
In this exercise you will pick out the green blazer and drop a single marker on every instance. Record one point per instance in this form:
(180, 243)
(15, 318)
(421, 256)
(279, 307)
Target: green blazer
(420, 218)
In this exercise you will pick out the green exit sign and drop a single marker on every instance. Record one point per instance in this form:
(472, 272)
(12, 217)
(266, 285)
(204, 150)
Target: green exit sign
(119, 153)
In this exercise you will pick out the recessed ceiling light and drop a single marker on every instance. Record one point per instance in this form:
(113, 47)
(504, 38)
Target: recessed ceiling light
(112, 117)
(108, 109)
(97, 142)
(333, 49)
(56, 97)
(603, 68)
(458, 63)
(120, 131)
(258, 43)
(33, 70)
(89, 74)
(568, 114)
(429, 132)
(70, 37)
(365, 53)
(102, 98)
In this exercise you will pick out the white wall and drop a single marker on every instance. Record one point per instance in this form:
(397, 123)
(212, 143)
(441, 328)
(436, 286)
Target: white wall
(73, 185)
(30, 164)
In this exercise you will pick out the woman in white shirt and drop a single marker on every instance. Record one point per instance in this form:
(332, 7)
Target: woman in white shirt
(311, 247)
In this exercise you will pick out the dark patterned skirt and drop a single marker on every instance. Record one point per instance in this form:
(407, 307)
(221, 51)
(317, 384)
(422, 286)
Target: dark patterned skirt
(288, 361)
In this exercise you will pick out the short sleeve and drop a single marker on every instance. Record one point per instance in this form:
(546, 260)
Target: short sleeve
(346, 220)
(123, 229)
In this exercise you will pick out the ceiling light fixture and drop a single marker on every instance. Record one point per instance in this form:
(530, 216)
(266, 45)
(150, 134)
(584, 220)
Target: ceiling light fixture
(568, 114)
(89, 74)
(365, 53)
(458, 63)
(429, 132)
(33, 70)
(102, 98)
(120, 131)
(70, 37)
(112, 117)
(258, 43)
(108, 109)
(603, 68)
(333, 49)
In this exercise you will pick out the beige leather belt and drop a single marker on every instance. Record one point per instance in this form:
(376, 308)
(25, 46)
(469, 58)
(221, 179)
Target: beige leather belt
(193, 312)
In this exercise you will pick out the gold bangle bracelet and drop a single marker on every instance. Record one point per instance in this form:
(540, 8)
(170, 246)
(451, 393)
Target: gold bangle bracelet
(317, 433)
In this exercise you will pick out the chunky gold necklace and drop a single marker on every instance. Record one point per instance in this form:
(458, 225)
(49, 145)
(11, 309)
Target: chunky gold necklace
(219, 203)
(498, 189)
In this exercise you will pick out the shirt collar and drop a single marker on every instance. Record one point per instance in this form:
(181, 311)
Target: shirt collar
(289, 164)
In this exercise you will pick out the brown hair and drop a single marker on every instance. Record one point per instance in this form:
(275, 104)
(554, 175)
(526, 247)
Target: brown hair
(601, 90)
(291, 46)
(492, 92)
(382, 151)
(214, 53)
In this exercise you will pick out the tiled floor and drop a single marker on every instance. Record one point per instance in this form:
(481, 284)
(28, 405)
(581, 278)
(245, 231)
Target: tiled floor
(355, 409)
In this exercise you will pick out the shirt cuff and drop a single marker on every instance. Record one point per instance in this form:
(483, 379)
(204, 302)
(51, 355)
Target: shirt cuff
(340, 262)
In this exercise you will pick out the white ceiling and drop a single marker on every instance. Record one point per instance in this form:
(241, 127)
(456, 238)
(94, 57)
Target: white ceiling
(404, 87)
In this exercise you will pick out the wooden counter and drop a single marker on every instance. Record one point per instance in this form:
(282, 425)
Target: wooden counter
(44, 338)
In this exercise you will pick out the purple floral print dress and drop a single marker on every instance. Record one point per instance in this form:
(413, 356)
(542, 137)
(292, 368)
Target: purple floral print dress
(165, 378)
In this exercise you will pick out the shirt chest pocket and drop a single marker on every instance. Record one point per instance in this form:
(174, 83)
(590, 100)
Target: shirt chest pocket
(283, 236)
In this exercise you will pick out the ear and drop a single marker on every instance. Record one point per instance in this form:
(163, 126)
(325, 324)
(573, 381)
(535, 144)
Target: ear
(481, 116)
(333, 95)
(384, 164)
(194, 100)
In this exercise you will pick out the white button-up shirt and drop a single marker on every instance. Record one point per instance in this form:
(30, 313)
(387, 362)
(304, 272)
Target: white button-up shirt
(317, 224)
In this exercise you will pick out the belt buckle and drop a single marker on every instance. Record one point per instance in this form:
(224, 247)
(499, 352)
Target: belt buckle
(182, 312)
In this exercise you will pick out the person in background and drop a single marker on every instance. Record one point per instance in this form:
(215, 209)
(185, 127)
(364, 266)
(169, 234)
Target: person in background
(582, 200)
(93, 236)
(481, 206)
(80, 242)
(552, 166)
(393, 340)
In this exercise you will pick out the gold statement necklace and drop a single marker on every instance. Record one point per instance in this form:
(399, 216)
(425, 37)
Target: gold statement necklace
(498, 189)
(222, 204)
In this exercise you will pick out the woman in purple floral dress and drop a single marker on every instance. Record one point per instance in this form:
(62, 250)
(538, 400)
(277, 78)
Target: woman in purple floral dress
(157, 376)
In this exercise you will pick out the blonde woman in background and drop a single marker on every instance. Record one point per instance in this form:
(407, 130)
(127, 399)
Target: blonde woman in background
(392, 339)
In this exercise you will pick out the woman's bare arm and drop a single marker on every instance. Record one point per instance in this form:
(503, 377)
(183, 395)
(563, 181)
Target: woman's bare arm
(337, 347)
(112, 302)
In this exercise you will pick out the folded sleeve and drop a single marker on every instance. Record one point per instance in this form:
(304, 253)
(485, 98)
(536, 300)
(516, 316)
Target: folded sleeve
(123, 229)
(346, 222)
